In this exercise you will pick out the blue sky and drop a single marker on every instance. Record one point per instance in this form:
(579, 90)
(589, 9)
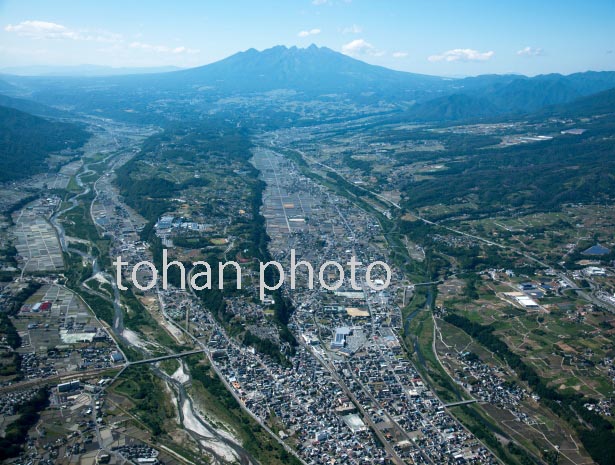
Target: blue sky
(451, 38)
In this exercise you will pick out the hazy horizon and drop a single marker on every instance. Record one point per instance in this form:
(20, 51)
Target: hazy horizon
(436, 39)
(56, 69)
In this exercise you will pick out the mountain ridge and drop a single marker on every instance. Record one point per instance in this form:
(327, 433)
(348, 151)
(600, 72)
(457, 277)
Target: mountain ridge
(84, 70)
(27, 140)
(311, 70)
(317, 73)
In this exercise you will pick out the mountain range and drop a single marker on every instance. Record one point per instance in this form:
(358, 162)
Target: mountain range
(313, 70)
(83, 70)
(313, 73)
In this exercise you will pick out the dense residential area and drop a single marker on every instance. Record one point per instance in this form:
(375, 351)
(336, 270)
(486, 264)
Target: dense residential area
(301, 256)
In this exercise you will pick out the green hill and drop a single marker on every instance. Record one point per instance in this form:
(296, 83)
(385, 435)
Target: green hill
(27, 140)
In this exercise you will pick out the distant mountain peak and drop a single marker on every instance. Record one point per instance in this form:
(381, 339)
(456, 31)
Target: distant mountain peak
(312, 70)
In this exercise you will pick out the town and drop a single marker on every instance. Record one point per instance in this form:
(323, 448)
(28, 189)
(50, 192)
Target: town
(376, 285)
(383, 251)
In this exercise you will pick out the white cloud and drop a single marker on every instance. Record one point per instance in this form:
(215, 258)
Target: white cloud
(35, 29)
(354, 29)
(311, 32)
(129, 50)
(400, 54)
(38, 29)
(162, 48)
(319, 2)
(530, 51)
(462, 54)
(360, 47)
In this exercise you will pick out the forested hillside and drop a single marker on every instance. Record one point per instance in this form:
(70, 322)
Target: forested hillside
(27, 140)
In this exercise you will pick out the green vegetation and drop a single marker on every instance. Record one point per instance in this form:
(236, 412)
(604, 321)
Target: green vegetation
(264, 346)
(418, 337)
(146, 391)
(169, 366)
(255, 440)
(10, 365)
(527, 177)
(191, 242)
(102, 308)
(9, 331)
(137, 315)
(78, 271)
(596, 433)
(78, 223)
(20, 298)
(139, 319)
(19, 205)
(16, 432)
(28, 140)
(219, 154)
(484, 429)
